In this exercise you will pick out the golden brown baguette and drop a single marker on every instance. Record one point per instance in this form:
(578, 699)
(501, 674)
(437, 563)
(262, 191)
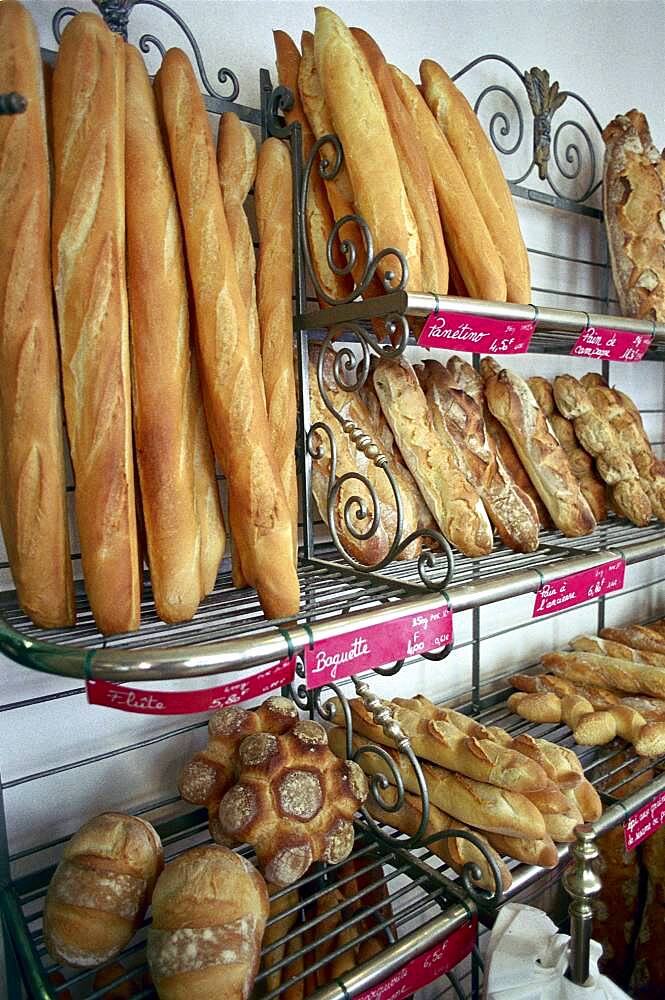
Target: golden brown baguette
(512, 403)
(319, 218)
(89, 280)
(459, 419)
(590, 668)
(560, 815)
(274, 217)
(480, 165)
(359, 118)
(617, 650)
(295, 968)
(33, 507)
(467, 237)
(587, 799)
(556, 769)
(532, 852)
(414, 168)
(277, 928)
(456, 507)
(638, 637)
(230, 373)
(428, 710)
(633, 198)
(161, 359)
(597, 437)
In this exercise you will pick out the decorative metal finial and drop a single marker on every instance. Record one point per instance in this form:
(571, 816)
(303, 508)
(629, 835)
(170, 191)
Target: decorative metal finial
(12, 104)
(581, 883)
(545, 100)
(116, 14)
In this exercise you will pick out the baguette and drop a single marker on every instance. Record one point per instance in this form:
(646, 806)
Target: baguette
(456, 507)
(589, 668)
(428, 710)
(513, 404)
(273, 203)
(467, 378)
(293, 971)
(587, 799)
(582, 466)
(319, 218)
(230, 372)
(558, 772)
(466, 235)
(360, 121)
(475, 803)
(458, 419)
(564, 760)
(414, 168)
(532, 852)
(480, 165)
(88, 234)
(617, 650)
(162, 382)
(560, 815)
(538, 708)
(33, 506)
(638, 637)
(277, 928)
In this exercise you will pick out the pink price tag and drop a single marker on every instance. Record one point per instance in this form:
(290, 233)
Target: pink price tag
(465, 332)
(424, 969)
(361, 649)
(605, 344)
(644, 822)
(576, 588)
(149, 702)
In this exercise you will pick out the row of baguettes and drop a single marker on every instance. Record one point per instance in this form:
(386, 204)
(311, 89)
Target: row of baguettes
(418, 167)
(162, 347)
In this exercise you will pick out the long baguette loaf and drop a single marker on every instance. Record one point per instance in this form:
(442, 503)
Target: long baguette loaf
(230, 372)
(457, 417)
(456, 507)
(475, 803)
(638, 637)
(33, 508)
(273, 202)
(480, 165)
(91, 295)
(358, 115)
(467, 237)
(512, 403)
(532, 852)
(319, 218)
(617, 650)
(590, 668)
(157, 291)
(428, 710)
(560, 815)
(415, 171)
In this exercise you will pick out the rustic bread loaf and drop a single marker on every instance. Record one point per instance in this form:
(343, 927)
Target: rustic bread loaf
(33, 507)
(617, 650)
(209, 911)
(638, 637)
(590, 668)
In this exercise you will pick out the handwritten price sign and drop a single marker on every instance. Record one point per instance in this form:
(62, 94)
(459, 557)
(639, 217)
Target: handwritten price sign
(576, 588)
(464, 332)
(361, 649)
(644, 822)
(424, 969)
(605, 344)
(150, 702)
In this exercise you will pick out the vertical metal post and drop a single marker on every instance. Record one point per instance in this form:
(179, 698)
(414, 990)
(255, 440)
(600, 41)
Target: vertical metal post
(581, 883)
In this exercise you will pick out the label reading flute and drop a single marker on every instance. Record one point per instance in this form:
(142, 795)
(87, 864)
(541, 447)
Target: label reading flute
(465, 332)
(361, 649)
(602, 343)
(576, 588)
(644, 822)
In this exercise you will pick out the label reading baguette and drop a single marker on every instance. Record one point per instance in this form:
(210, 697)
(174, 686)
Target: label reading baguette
(576, 588)
(150, 702)
(605, 344)
(465, 332)
(644, 822)
(424, 969)
(361, 649)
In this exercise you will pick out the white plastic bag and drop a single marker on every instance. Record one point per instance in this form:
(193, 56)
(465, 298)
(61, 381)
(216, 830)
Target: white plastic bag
(527, 960)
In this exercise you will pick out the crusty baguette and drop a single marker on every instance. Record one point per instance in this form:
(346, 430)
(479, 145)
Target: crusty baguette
(456, 507)
(633, 199)
(358, 115)
(590, 668)
(638, 637)
(587, 799)
(467, 237)
(273, 202)
(89, 280)
(513, 404)
(560, 815)
(616, 650)
(458, 418)
(33, 507)
(415, 171)
(532, 852)
(467, 378)
(319, 218)
(557, 770)
(423, 706)
(475, 803)
(162, 383)
(480, 165)
(230, 373)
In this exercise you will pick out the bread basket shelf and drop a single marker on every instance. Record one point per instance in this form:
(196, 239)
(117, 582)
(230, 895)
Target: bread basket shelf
(424, 908)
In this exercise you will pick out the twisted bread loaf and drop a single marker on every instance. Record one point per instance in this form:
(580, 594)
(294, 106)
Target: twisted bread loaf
(619, 648)
(209, 911)
(293, 801)
(101, 889)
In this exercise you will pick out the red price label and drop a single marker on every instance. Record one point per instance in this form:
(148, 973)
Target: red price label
(576, 588)
(465, 332)
(644, 822)
(602, 343)
(424, 969)
(361, 649)
(150, 702)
